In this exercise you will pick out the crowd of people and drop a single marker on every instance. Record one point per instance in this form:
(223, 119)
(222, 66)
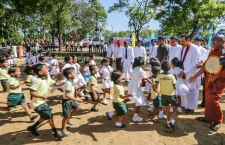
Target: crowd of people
(175, 75)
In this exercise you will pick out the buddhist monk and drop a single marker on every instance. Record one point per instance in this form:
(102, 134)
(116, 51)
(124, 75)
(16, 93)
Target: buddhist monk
(214, 87)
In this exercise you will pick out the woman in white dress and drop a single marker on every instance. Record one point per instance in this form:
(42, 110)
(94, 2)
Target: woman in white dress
(14, 49)
(134, 87)
(107, 84)
(181, 87)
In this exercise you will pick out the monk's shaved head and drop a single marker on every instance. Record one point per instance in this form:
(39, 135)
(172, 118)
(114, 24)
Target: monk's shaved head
(218, 42)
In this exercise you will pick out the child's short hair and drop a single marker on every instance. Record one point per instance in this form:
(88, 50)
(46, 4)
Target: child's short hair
(91, 68)
(155, 69)
(12, 70)
(115, 75)
(41, 58)
(37, 68)
(105, 60)
(91, 55)
(87, 61)
(139, 61)
(68, 71)
(154, 62)
(47, 53)
(73, 56)
(28, 69)
(7, 55)
(53, 55)
(67, 58)
(39, 51)
(2, 59)
(34, 52)
(175, 61)
(165, 66)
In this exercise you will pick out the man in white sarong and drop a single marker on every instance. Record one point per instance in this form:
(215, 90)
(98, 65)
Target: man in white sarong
(190, 57)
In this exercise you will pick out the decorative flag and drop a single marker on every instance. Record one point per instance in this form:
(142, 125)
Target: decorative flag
(122, 41)
(133, 40)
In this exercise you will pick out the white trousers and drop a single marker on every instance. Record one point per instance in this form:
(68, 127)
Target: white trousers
(190, 101)
(127, 66)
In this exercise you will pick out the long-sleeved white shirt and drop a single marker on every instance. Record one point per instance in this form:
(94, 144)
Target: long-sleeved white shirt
(130, 54)
(153, 52)
(174, 51)
(118, 52)
(110, 51)
(140, 52)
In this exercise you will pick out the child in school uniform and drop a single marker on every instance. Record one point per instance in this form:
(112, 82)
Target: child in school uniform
(69, 102)
(48, 58)
(107, 84)
(11, 62)
(181, 87)
(16, 97)
(156, 97)
(34, 59)
(118, 100)
(55, 66)
(92, 59)
(4, 76)
(86, 71)
(92, 87)
(28, 56)
(31, 78)
(167, 82)
(134, 87)
(79, 78)
(40, 54)
(39, 93)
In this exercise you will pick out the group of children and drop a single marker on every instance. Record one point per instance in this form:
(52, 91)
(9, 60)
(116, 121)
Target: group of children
(41, 72)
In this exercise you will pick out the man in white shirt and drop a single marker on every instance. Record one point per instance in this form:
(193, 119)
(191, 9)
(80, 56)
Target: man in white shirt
(118, 55)
(153, 50)
(139, 51)
(110, 52)
(174, 49)
(190, 57)
(127, 60)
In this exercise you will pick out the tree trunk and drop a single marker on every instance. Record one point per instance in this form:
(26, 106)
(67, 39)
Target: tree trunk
(137, 34)
(59, 31)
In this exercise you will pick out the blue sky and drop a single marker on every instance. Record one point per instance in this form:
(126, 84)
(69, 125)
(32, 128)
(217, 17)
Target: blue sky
(118, 21)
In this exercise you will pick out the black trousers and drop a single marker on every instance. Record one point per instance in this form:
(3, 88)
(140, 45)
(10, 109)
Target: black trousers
(90, 48)
(104, 54)
(111, 62)
(118, 62)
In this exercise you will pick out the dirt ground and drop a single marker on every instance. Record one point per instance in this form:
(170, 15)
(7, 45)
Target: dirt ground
(93, 128)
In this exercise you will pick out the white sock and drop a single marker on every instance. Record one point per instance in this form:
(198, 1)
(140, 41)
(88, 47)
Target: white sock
(168, 122)
(135, 115)
(118, 124)
(161, 112)
(111, 113)
(172, 121)
(31, 115)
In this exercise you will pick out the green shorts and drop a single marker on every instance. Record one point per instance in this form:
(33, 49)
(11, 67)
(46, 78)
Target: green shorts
(157, 102)
(4, 84)
(166, 100)
(68, 106)
(92, 96)
(16, 99)
(120, 108)
(44, 111)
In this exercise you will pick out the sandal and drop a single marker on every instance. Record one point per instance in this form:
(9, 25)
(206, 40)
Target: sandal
(214, 126)
(202, 119)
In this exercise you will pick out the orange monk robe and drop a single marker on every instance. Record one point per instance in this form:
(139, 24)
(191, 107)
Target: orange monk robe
(213, 93)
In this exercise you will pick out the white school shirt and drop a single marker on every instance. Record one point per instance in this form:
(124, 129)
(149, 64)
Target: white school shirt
(93, 62)
(49, 60)
(77, 67)
(190, 62)
(153, 52)
(28, 55)
(110, 50)
(106, 71)
(140, 52)
(87, 71)
(105, 47)
(174, 51)
(11, 62)
(130, 54)
(44, 63)
(34, 60)
(118, 52)
(54, 62)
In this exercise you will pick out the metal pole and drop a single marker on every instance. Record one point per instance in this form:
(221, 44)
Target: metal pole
(112, 28)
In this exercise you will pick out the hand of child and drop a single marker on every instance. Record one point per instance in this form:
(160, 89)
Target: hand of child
(79, 100)
(131, 94)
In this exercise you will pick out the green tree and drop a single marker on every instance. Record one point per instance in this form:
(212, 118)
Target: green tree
(178, 17)
(139, 13)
